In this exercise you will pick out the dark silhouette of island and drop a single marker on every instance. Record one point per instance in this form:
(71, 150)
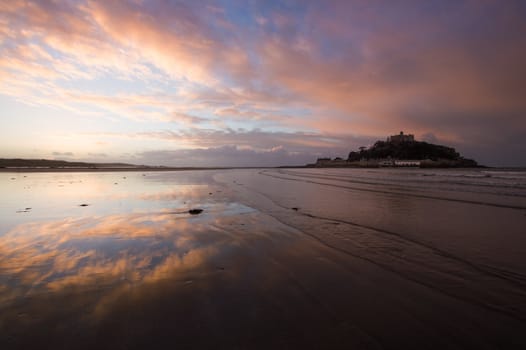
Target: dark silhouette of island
(401, 150)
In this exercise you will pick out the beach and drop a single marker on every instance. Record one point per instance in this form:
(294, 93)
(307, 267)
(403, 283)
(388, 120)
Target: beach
(278, 258)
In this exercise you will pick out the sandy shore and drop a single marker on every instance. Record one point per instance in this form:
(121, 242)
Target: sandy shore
(278, 259)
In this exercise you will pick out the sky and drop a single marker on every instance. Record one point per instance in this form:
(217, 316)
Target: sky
(259, 83)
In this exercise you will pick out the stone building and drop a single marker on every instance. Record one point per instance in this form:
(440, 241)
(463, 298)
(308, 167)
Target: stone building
(401, 138)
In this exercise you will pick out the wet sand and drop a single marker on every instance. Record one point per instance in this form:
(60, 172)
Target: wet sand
(282, 259)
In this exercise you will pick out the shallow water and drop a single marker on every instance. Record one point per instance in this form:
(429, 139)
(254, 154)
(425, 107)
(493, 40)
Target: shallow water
(283, 258)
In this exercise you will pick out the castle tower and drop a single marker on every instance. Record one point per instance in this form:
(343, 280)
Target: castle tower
(401, 138)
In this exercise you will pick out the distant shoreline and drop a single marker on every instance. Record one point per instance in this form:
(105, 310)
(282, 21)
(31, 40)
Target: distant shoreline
(155, 169)
(74, 170)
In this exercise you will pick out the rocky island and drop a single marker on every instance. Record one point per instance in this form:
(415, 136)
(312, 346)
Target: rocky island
(401, 150)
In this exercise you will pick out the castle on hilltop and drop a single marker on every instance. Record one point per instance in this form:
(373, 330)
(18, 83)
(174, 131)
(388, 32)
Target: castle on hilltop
(400, 151)
(401, 138)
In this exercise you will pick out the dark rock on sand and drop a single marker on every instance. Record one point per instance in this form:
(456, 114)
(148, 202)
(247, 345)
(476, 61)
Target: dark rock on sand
(83, 205)
(195, 211)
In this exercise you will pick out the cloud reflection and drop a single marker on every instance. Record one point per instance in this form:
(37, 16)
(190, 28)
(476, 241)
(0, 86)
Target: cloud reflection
(96, 251)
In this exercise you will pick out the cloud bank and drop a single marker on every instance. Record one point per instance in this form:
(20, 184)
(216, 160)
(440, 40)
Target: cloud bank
(299, 79)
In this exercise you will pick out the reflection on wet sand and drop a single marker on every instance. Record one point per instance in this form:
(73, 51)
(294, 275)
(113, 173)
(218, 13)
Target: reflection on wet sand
(249, 272)
(37, 257)
(139, 280)
(84, 266)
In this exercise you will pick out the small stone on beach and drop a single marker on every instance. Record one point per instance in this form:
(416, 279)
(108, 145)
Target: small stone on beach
(195, 211)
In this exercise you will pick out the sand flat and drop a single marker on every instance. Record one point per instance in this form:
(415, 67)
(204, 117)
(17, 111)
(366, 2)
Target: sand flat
(354, 265)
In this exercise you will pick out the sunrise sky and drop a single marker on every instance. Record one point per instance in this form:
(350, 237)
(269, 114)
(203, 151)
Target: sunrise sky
(248, 83)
